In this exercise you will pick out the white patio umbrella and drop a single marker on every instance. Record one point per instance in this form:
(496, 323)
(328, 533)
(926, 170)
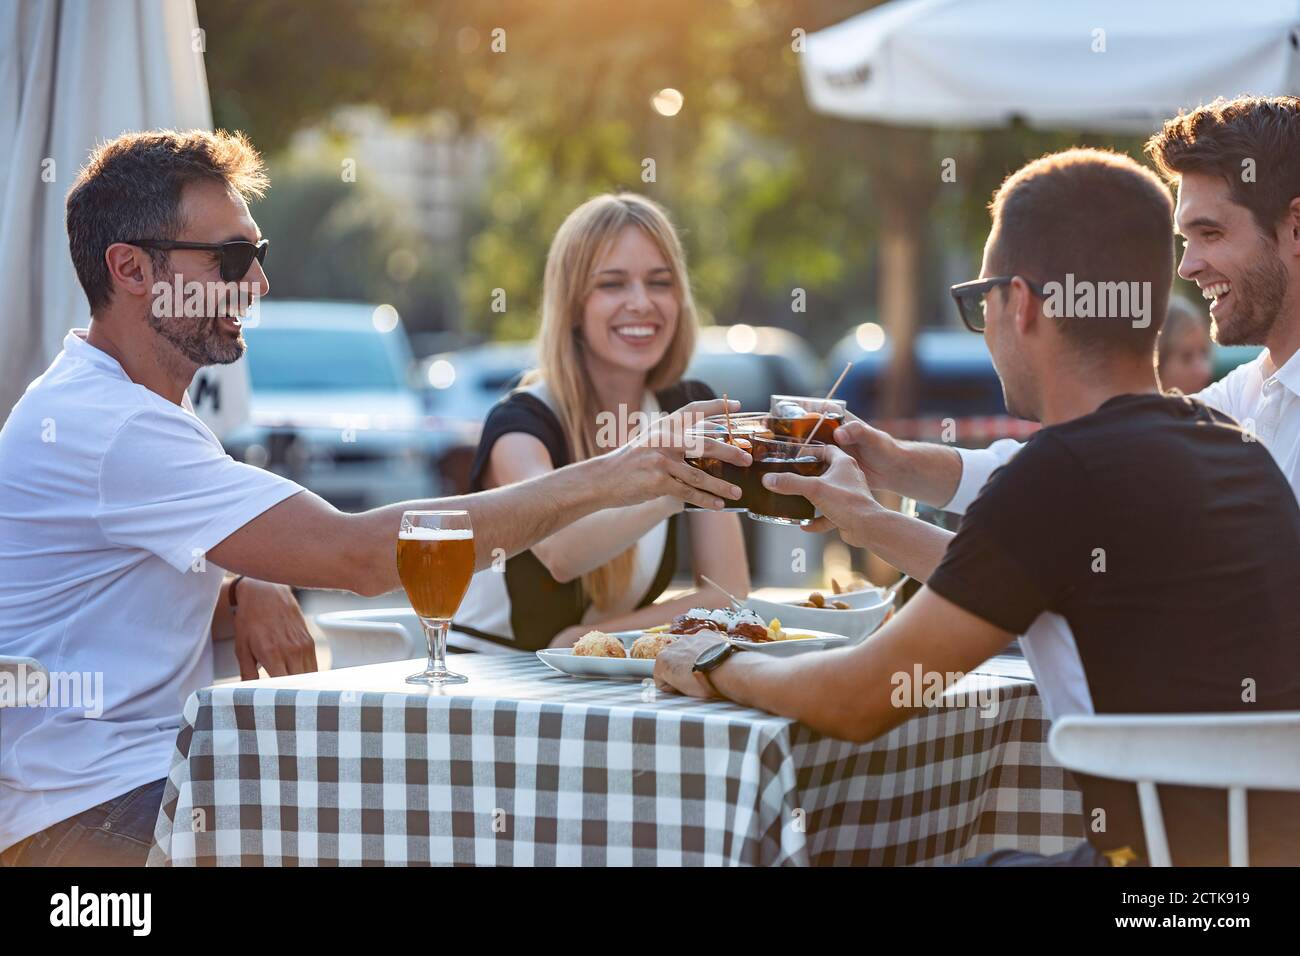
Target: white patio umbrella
(74, 73)
(1110, 65)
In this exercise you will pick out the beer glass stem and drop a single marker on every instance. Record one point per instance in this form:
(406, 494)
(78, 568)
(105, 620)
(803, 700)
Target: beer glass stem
(435, 635)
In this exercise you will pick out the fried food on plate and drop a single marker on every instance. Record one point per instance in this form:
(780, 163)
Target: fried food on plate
(598, 644)
(648, 646)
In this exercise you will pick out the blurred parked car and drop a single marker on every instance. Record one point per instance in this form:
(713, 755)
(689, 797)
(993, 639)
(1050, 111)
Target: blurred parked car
(749, 363)
(753, 363)
(466, 384)
(955, 375)
(332, 405)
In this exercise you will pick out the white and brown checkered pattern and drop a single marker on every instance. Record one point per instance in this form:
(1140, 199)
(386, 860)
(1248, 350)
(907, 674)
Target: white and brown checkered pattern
(524, 766)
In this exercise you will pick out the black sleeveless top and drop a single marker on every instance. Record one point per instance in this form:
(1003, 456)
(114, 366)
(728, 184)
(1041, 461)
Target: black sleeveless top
(540, 606)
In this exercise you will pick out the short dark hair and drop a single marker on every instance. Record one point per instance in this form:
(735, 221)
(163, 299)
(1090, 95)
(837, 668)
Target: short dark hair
(1096, 215)
(1220, 138)
(131, 187)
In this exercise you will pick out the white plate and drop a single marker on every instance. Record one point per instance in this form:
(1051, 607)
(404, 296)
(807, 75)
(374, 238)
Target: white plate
(565, 661)
(815, 641)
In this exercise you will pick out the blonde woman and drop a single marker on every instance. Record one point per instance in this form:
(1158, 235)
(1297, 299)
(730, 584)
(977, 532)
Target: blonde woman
(618, 329)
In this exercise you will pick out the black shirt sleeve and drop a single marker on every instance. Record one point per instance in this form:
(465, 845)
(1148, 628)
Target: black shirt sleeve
(1026, 541)
(519, 412)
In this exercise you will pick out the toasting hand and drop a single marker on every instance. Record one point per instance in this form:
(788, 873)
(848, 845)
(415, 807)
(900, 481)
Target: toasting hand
(653, 463)
(841, 494)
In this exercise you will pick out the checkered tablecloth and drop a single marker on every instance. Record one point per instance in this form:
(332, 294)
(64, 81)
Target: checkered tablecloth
(524, 766)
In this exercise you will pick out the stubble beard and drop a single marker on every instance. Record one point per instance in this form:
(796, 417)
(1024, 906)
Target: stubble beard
(1259, 294)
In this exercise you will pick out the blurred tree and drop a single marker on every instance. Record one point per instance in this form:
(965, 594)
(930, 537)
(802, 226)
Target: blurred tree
(769, 196)
(335, 240)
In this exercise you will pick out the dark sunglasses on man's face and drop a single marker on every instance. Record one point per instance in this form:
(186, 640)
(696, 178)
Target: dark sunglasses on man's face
(236, 256)
(969, 297)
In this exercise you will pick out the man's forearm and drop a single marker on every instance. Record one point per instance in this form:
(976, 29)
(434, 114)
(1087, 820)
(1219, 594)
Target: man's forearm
(506, 520)
(928, 472)
(825, 691)
(909, 544)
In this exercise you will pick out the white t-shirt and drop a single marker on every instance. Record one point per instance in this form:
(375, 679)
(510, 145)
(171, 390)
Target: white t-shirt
(1264, 400)
(110, 496)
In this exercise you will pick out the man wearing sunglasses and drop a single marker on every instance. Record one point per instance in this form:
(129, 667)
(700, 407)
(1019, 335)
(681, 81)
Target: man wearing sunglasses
(120, 513)
(1238, 212)
(1159, 535)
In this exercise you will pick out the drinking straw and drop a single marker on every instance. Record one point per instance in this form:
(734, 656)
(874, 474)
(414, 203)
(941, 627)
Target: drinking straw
(726, 411)
(730, 597)
(822, 416)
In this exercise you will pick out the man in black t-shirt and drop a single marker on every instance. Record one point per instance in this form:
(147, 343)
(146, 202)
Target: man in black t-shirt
(1160, 532)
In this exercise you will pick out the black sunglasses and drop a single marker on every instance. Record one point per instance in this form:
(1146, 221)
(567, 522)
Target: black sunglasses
(236, 256)
(969, 297)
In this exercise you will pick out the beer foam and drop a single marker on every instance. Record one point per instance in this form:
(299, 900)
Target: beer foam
(435, 534)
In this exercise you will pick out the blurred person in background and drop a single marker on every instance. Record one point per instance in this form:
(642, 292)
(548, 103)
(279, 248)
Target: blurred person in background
(618, 330)
(1183, 348)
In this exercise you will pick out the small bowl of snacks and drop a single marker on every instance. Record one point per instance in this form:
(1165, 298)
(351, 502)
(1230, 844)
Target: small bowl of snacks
(853, 614)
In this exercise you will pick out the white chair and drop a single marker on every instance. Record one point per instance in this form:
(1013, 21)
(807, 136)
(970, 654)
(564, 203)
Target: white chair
(17, 673)
(1236, 752)
(376, 635)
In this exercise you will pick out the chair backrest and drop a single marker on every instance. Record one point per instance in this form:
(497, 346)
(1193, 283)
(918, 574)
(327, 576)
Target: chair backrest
(371, 636)
(375, 635)
(17, 689)
(1236, 752)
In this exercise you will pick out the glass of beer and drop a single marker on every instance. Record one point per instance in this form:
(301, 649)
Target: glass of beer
(435, 561)
(772, 456)
(795, 417)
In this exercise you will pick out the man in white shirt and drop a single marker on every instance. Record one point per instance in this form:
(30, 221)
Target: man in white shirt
(1238, 212)
(120, 512)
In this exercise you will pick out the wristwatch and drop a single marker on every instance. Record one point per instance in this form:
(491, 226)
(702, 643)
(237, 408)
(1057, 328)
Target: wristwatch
(711, 658)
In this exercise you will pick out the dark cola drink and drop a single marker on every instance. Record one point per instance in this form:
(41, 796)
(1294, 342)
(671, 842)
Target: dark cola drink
(795, 417)
(726, 471)
(773, 456)
(740, 437)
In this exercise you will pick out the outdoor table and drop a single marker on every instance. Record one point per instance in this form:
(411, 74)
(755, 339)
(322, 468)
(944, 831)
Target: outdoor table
(525, 766)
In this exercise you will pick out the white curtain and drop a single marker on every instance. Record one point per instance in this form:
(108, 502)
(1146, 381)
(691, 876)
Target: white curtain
(74, 73)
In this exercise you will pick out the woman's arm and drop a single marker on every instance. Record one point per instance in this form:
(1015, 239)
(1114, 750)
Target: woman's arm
(718, 550)
(589, 542)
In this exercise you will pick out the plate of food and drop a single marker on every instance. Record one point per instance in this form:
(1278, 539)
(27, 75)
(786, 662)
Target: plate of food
(626, 655)
(749, 630)
(630, 655)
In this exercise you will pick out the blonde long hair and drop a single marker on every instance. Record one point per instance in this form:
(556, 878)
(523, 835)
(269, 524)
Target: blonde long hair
(581, 241)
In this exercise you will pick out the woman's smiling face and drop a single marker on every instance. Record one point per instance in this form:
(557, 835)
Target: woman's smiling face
(630, 316)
